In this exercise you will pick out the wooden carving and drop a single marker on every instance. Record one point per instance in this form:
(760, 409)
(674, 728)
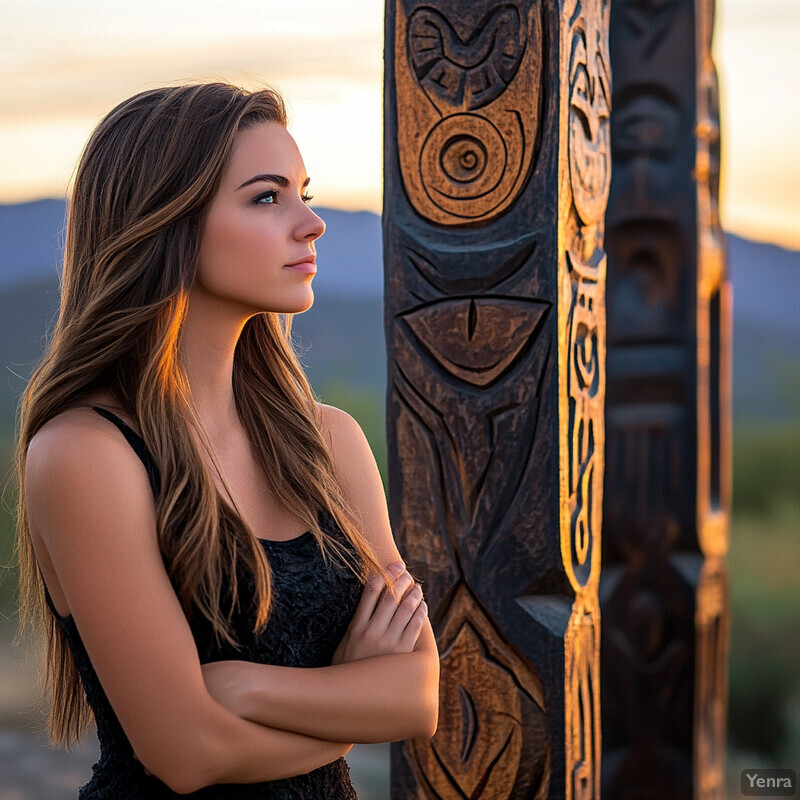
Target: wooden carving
(497, 169)
(469, 84)
(581, 709)
(664, 587)
(499, 739)
(582, 271)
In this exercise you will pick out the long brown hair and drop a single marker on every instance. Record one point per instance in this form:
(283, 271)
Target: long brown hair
(142, 189)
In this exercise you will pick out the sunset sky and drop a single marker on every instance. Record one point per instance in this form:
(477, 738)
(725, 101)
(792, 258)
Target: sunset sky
(64, 65)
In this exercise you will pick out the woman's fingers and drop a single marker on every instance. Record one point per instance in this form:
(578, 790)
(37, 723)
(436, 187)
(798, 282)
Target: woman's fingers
(405, 611)
(413, 629)
(369, 599)
(373, 592)
(389, 602)
(388, 618)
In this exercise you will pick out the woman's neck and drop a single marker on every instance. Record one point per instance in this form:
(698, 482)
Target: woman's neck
(208, 343)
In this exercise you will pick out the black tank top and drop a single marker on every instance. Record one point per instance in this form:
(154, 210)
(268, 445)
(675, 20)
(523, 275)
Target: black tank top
(312, 605)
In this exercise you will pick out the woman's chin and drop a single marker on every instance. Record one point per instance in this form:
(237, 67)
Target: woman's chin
(297, 307)
(307, 303)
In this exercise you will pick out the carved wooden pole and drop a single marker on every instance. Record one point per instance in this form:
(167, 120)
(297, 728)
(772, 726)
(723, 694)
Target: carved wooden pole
(667, 490)
(497, 168)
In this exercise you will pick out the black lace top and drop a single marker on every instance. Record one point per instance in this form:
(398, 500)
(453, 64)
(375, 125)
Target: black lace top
(312, 605)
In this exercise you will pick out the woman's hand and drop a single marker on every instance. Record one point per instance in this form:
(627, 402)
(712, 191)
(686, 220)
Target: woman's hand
(385, 621)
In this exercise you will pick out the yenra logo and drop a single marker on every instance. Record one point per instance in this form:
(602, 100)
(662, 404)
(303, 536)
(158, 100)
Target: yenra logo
(769, 782)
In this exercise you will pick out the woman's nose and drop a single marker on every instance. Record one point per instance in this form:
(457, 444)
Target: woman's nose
(312, 227)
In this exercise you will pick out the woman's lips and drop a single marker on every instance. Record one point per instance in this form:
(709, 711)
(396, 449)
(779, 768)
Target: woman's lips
(307, 267)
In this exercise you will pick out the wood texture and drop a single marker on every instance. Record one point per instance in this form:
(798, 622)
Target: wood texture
(667, 491)
(497, 168)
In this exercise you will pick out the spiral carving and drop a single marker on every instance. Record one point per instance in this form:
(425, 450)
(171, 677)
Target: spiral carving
(464, 166)
(467, 107)
(463, 158)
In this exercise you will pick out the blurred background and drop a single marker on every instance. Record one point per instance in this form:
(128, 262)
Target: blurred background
(63, 66)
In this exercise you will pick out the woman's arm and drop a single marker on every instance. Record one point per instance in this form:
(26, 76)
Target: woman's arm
(366, 696)
(369, 700)
(93, 525)
(381, 698)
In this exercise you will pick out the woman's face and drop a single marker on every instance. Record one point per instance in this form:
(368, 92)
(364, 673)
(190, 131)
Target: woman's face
(258, 226)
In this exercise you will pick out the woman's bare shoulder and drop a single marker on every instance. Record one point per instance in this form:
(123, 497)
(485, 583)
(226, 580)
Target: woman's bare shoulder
(334, 420)
(348, 443)
(79, 446)
(72, 423)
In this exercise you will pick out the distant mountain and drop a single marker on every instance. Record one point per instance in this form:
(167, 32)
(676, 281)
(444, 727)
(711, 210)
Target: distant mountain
(766, 372)
(766, 283)
(344, 328)
(350, 254)
(766, 330)
(31, 241)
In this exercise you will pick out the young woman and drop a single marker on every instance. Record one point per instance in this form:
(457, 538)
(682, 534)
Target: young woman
(207, 547)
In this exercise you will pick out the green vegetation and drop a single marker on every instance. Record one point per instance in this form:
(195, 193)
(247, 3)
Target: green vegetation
(764, 559)
(765, 632)
(766, 466)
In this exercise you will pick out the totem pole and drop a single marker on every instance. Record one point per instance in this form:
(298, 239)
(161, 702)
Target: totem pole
(663, 589)
(497, 169)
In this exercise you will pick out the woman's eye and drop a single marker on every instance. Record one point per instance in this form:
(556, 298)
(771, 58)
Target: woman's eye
(266, 198)
(307, 198)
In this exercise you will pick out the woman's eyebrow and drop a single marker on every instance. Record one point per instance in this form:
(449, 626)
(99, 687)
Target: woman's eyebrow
(279, 179)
